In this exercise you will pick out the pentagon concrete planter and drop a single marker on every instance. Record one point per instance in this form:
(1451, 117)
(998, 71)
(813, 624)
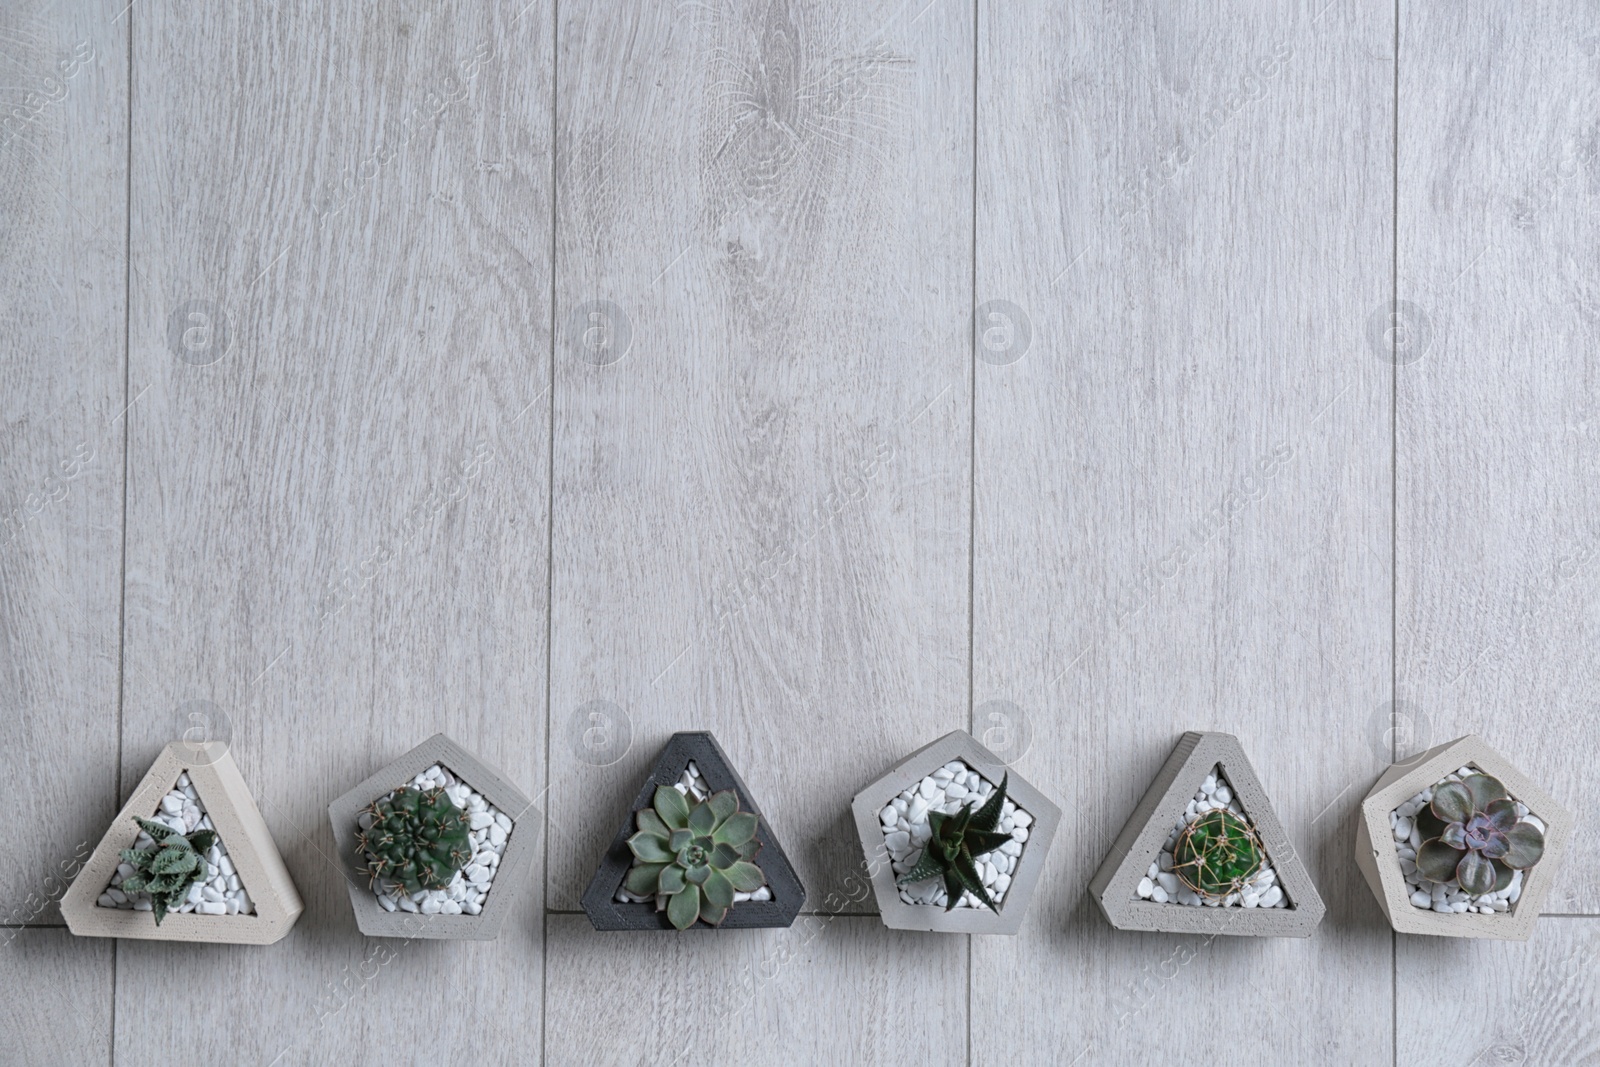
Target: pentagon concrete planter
(1375, 845)
(600, 902)
(1113, 886)
(510, 879)
(226, 799)
(896, 912)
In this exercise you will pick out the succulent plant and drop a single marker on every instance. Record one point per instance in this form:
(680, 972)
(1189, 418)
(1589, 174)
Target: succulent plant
(1217, 853)
(169, 868)
(695, 857)
(1472, 833)
(417, 840)
(954, 841)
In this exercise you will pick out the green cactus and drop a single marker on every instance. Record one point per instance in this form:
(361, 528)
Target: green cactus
(1217, 854)
(1473, 834)
(167, 870)
(954, 842)
(418, 840)
(696, 857)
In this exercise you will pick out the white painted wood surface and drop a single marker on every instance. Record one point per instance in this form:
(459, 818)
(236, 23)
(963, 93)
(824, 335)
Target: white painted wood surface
(423, 487)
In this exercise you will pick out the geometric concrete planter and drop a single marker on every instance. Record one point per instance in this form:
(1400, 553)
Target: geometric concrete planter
(1113, 886)
(600, 901)
(510, 877)
(1375, 846)
(240, 829)
(896, 913)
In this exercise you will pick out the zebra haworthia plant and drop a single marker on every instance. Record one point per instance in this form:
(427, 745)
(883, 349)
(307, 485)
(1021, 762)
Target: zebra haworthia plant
(1472, 833)
(168, 868)
(692, 859)
(953, 843)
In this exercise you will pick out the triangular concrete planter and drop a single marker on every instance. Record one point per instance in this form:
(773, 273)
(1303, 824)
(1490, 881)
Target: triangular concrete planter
(897, 914)
(241, 830)
(510, 878)
(1139, 843)
(600, 901)
(1375, 853)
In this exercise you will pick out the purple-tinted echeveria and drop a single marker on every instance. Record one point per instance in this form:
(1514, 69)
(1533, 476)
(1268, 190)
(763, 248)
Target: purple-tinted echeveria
(1474, 835)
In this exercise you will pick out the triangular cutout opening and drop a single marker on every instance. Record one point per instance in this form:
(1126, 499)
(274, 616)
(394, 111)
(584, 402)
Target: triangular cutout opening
(265, 901)
(215, 887)
(1241, 877)
(1155, 826)
(607, 901)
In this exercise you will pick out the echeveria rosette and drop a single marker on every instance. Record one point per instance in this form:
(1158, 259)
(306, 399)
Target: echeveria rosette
(954, 841)
(1473, 834)
(1217, 854)
(167, 870)
(697, 857)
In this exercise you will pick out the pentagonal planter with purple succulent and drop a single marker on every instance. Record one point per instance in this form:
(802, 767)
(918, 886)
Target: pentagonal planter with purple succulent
(1457, 842)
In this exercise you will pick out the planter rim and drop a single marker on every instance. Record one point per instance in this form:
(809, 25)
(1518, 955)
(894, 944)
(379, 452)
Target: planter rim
(606, 913)
(1398, 784)
(895, 912)
(1114, 885)
(240, 827)
(510, 881)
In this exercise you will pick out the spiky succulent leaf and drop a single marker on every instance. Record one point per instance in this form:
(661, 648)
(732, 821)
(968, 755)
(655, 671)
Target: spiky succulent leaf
(158, 907)
(1475, 873)
(1437, 860)
(683, 907)
(980, 842)
(1452, 802)
(642, 879)
(952, 888)
(672, 806)
(988, 816)
(132, 884)
(971, 881)
(931, 864)
(1525, 846)
(160, 831)
(137, 857)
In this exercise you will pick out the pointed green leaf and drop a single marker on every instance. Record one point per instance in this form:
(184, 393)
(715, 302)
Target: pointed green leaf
(173, 861)
(137, 857)
(672, 806)
(724, 804)
(1526, 846)
(651, 823)
(1475, 873)
(697, 875)
(702, 820)
(936, 821)
(672, 880)
(739, 828)
(683, 907)
(1452, 802)
(712, 914)
(649, 848)
(981, 842)
(718, 890)
(201, 840)
(1437, 861)
(970, 880)
(1484, 789)
(158, 830)
(952, 889)
(748, 850)
(745, 877)
(723, 856)
(642, 878)
(679, 840)
(988, 816)
(132, 884)
(928, 865)
(160, 909)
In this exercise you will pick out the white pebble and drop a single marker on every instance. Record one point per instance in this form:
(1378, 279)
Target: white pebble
(1145, 888)
(211, 908)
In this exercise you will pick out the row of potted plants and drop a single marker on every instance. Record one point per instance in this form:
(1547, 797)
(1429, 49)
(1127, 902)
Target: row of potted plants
(1455, 842)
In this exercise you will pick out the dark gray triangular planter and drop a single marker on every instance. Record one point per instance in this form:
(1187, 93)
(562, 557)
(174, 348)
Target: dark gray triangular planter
(600, 901)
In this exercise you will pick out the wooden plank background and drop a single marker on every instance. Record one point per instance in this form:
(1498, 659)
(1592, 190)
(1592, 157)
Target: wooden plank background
(563, 374)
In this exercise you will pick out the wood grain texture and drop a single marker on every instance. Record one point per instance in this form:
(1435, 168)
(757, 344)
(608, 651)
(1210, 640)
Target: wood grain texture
(1533, 1003)
(337, 518)
(1182, 488)
(761, 509)
(63, 237)
(818, 992)
(1499, 256)
(57, 1005)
